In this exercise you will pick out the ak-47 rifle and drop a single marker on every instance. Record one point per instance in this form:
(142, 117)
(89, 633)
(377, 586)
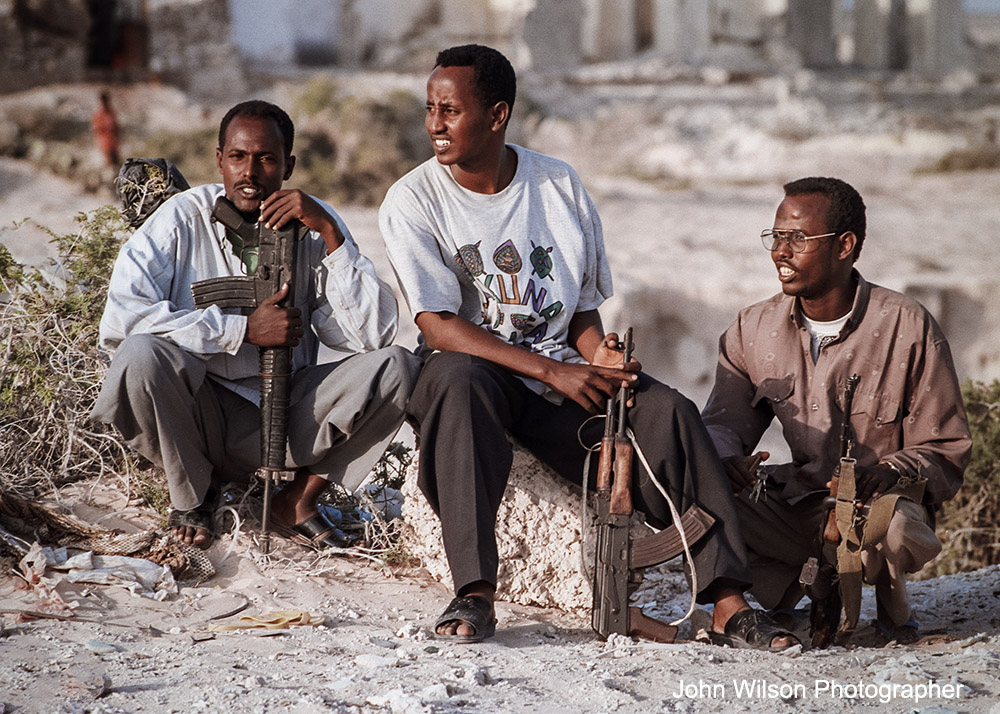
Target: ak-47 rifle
(275, 267)
(819, 575)
(620, 559)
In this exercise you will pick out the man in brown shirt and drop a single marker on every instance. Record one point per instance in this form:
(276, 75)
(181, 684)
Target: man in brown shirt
(788, 358)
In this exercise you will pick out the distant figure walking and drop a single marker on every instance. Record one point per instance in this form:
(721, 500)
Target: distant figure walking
(104, 124)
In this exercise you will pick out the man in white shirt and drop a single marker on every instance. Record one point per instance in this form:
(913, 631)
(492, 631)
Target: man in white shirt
(500, 255)
(183, 383)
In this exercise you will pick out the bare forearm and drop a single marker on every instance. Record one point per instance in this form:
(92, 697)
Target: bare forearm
(448, 332)
(586, 384)
(586, 333)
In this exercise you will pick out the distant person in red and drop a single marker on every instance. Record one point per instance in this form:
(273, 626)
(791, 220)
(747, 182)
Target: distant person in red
(104, 124)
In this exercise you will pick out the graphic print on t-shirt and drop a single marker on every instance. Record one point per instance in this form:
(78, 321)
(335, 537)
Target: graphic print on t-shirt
(516, 306)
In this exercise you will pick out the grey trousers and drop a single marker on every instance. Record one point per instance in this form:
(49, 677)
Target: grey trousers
(781, 537)
(466, 406)
(341, 415)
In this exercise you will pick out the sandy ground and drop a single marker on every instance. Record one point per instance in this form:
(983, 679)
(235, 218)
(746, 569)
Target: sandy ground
(373, 651)
(685, 257)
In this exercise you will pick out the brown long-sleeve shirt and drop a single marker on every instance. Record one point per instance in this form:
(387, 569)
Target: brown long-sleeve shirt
(907, 409)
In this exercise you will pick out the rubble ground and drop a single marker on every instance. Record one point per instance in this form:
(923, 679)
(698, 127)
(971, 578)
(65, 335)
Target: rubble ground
(118, 652)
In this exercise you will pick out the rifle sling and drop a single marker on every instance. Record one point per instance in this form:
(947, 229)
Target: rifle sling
(661, 547)
(859, 532)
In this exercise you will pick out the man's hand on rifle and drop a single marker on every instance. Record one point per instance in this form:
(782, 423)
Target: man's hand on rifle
(292, 204)
(609, 354)
(742, 470)
(273, 326)
(873, 481)
(588, 385)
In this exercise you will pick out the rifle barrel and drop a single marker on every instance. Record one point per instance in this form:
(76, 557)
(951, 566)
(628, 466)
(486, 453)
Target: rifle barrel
(623, 390)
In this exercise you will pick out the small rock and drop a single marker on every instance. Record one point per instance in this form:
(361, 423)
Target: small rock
(380, 642)
(409, 631)
(101, 647)
(435, 693)
(399, 702)
(479, 675)
(373, 661)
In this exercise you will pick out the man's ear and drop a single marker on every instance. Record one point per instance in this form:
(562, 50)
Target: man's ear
(499, 116)
(289, 167)
(218, 159)
(846, 243)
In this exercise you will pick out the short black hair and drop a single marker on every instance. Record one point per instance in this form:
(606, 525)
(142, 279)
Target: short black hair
(847, 208)
(259, 109)
(493, 78)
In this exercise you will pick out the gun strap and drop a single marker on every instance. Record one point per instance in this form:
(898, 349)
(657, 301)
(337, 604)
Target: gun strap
(859, 531)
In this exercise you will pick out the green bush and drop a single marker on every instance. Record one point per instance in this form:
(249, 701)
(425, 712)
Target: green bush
(969, 524)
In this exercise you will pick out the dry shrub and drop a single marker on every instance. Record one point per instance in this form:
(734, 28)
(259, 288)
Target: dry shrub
(351, 149)
(969, 524)
(986, 157)
(51, 370)
(192, 152)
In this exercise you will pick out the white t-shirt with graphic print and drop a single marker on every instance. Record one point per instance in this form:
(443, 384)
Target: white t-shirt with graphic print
(519, 263)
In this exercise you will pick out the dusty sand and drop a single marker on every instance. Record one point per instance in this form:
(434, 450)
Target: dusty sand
(373, 652)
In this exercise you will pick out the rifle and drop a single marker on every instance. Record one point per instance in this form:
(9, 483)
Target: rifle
(620, 559)
(819, 574)
(275, 267)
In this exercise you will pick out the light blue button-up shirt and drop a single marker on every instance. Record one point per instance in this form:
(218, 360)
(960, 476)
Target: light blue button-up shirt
(348, 307)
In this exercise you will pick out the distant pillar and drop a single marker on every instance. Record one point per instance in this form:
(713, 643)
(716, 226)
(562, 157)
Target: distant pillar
(466, 20)
(936, 38)
(740, 21)
(609, 31)
(810, 31)
(351, 45)
(682, 29)
(553, 32)
(880, 34)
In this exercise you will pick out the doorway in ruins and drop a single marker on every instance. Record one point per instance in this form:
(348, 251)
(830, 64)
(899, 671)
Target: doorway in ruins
(118, 41)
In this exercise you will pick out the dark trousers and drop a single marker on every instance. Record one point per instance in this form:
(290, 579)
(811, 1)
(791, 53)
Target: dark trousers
(465, 406)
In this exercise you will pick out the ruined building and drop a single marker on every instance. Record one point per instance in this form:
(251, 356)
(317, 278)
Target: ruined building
(204, 45)
(184, 42)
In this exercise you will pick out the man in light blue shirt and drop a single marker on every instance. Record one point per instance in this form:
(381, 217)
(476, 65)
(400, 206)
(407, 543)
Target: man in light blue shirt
(183, 383)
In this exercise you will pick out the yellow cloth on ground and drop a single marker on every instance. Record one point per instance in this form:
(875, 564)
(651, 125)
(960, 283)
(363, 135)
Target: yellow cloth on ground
(272, 621)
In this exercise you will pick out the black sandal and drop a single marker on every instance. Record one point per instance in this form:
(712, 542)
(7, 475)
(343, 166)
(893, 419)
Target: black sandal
(316, 532)
(473, 610)
(199, 518)
(751, 629)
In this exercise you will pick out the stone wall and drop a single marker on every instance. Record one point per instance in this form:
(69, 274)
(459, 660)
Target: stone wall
(189, 47)
(42, 41)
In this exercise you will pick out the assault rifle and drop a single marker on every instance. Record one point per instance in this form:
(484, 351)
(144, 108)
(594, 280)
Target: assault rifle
(275, 267)
(620, 559)
(819, 575)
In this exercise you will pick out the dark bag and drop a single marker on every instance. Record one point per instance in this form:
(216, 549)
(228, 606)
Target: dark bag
(143, 185)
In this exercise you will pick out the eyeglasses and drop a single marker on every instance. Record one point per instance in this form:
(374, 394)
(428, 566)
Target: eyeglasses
(796, 240)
